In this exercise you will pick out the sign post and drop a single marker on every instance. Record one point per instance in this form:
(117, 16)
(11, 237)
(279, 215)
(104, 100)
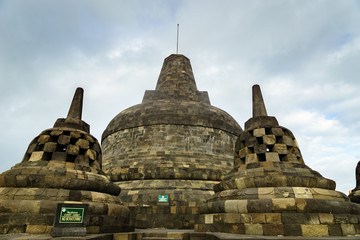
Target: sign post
(70, 220)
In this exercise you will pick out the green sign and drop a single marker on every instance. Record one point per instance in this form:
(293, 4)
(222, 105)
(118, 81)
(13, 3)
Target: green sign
(163, 198)
(71, 215)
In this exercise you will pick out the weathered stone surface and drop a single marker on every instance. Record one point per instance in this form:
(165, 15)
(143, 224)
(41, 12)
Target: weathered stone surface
(51, 173)
(314, 230)
(253, 229)
(282, 195)
(174, 134)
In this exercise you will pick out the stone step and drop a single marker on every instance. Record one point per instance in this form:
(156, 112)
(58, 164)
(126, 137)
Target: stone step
(161, 238)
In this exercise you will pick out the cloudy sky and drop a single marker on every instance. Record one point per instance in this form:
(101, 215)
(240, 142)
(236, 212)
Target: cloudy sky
(304, 54)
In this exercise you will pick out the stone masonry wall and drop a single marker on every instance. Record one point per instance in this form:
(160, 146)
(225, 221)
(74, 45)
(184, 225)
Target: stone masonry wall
(168, 152)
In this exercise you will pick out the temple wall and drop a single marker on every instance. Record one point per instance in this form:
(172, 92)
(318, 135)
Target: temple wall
(168, 151)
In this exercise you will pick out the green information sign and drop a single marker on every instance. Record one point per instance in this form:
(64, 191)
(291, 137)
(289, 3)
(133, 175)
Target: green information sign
(163, 198)
(71, 215)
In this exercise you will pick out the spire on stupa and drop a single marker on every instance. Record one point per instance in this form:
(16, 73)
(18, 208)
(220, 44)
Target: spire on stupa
(73, 119)
(258, 102)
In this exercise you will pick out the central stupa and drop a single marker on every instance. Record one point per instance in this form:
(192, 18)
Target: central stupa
(167, 152)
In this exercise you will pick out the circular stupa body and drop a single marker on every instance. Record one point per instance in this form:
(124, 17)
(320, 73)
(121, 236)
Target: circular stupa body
(271, 191)
(174, 144)
(61, 165)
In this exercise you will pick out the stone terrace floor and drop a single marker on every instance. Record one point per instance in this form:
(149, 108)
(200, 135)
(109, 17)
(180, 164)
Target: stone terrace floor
(163, 234)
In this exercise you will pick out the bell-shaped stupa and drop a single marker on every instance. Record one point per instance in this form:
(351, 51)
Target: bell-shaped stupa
(271, 191)
(167, 152)
(355, 193)
(61, 165)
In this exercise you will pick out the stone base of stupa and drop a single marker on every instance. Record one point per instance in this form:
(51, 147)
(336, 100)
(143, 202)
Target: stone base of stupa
(286, 211)
(181, 211)
(30, 195)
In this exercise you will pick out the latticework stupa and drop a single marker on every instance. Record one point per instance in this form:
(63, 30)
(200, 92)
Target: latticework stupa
(271, 191)
(174, 144)
(61, 165)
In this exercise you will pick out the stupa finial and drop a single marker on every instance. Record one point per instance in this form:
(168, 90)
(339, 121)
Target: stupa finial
(258, 102)
(73, 119)
(75, 110)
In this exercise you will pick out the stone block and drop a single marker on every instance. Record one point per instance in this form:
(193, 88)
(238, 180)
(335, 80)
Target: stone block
(82, 143)
(273, 218)
(21, 180)
(290, 158)
(347, 229)
(91, 154)
(284, 204)
(269, 139)
(36, 156)
(277, 132)
(75, 134)
(26, 206)
(56, 133)
(59, 156)
(245, 218)
(43, 139)
(293, 218)
(64, 140)
(273, 229)
(288, 140)
(122, 236)
(314, 230)
(231, 206)
(260, 206)
(259, 132)
(209, 218)
(92, 229)
(260, 148)
(31, 148)
(252, 158)
(253, 229)
(244, 152)
(258, 218)
(89, 138)
(251, 142)
(232, 218)
(280, 148)
(173, 209)
(242, 206)
(302, 192)
(70, 165)
(272, 157)
(47, 207)
(292, 230)
(267, 192)
(312, 218)
(50, 147)
(72, 149)
(335, 230)
(36, 229)
(326, 218)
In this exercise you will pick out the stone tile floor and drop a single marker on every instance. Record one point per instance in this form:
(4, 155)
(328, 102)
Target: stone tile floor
(158, 233)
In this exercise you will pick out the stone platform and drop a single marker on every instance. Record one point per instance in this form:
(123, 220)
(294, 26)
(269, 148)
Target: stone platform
(165, 234)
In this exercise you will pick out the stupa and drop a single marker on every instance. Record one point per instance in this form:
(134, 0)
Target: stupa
(271, 191)
(61, 165)
(355, 193)
(167, 152)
